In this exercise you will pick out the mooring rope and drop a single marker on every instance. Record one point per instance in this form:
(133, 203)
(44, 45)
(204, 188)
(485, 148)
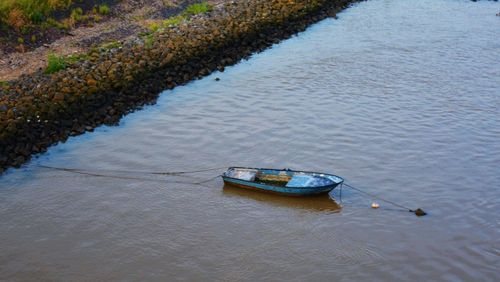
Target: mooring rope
(172, 173)
(205, 181)
(418, 212)
(133, 171)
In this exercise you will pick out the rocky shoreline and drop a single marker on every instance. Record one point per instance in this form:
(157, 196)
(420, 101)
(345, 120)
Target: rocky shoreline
(39, 110)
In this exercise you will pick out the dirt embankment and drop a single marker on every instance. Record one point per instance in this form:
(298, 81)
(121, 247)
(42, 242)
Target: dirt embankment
(39, 110)
(126, 19)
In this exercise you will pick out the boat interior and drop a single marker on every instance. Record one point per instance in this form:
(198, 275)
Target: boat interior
(281, 178)
(272, 179)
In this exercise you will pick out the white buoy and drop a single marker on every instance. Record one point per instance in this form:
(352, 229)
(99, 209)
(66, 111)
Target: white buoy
(375, 205)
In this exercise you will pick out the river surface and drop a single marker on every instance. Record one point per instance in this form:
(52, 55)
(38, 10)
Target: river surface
(401, 98)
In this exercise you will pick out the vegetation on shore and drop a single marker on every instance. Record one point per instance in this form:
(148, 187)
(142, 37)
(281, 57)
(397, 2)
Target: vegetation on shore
(188, 12)
(23, 14)
(56, 63)
(196, 9)
(27, 24)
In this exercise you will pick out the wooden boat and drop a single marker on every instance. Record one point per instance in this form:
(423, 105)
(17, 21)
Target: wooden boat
(281, 181)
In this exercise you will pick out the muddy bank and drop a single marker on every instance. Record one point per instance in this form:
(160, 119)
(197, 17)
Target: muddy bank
(39, 110)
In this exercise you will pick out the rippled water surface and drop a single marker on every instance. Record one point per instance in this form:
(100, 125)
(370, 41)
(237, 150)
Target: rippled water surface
(399, 97)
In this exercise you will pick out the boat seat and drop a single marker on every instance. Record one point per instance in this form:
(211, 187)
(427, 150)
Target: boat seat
(273, 177)
(243, 174)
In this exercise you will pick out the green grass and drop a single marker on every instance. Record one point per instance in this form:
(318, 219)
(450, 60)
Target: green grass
(196, 9)
(37, 17)
(154, 26)
(104, 9)
(52, 22)
(55, 63)
(173, 21)
(76, 14)
(148, 40)
(71, 59)
(111, 45)
(190, 11)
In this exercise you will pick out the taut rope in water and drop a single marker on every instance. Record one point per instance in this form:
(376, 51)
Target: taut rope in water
(417, 212)
(129, 171)
(170, 173)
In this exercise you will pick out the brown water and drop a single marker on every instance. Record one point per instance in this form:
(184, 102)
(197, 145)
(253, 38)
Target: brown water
(399, 97)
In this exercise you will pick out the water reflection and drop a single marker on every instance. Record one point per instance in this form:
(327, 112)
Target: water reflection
(323, 202)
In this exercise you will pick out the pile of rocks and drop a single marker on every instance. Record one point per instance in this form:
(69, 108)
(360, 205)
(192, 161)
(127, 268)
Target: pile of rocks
(39, 110)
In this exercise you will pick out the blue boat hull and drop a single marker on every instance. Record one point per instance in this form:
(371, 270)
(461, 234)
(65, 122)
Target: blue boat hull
(283, 190)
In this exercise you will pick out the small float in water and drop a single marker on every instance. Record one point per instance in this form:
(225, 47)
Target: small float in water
(281, 181)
